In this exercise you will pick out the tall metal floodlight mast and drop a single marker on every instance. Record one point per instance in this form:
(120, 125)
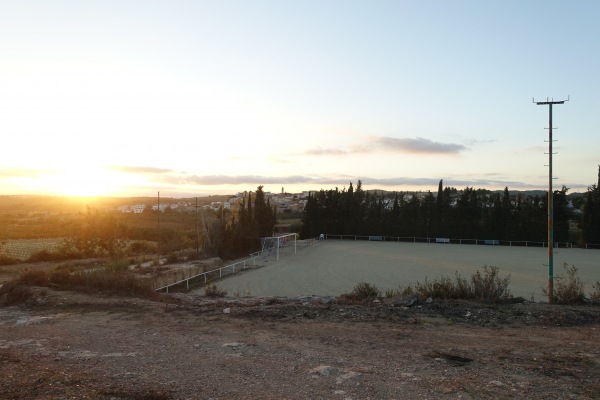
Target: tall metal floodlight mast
(550, 103)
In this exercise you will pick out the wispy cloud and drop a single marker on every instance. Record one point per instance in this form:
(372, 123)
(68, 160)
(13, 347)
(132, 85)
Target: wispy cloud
(174, 178)
(417, 145)
(374, 144)
(140, 170)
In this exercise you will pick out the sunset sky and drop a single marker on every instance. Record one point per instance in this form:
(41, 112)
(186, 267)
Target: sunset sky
(192, 98)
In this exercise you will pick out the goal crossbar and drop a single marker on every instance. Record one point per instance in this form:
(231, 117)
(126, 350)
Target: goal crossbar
(271, 243)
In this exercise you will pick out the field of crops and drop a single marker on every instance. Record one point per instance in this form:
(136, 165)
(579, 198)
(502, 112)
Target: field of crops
(24, 248)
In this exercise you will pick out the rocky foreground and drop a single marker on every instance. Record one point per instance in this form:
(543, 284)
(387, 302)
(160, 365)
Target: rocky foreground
(65, 345)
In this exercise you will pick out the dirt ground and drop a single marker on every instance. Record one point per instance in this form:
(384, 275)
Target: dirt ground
(66, 345)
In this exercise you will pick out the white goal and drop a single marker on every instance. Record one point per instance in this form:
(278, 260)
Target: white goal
(274, 244)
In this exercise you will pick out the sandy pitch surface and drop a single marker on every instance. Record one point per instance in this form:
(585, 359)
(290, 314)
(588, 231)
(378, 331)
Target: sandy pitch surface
(332, 267)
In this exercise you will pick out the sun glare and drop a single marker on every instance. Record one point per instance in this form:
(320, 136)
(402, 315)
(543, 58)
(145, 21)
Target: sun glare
(84, 183)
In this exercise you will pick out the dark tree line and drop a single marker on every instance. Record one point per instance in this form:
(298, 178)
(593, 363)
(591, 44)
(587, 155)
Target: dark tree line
(254, 220)
(468, 213)
(591, 214)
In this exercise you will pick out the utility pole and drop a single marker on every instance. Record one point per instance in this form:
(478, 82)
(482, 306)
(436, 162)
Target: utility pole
(158, 226)
(550, 103)
(197, 233)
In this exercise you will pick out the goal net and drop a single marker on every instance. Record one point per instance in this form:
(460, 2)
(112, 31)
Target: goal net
(273, 245)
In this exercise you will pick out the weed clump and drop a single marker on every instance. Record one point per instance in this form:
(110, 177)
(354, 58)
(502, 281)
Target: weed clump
(568, 289)
(105, 280)
(486, 287)
(595, 295)
(12, 293)
(211, 290)
(362, 292)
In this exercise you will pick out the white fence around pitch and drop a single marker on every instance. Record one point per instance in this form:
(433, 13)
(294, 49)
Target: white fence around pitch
(223, 271)
(446, 240)
(230, 269)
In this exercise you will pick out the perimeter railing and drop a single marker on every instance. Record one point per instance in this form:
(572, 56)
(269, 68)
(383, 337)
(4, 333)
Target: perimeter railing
(219, 273)
(446, 240)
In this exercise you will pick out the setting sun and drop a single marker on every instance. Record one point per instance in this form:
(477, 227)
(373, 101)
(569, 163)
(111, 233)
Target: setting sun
(85, 182)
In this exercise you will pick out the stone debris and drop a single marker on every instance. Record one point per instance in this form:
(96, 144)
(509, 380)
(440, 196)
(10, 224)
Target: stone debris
(324, 370)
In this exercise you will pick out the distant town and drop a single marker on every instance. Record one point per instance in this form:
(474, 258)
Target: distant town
(284, 202)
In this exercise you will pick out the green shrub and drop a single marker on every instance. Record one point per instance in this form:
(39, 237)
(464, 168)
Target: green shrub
(568, 289)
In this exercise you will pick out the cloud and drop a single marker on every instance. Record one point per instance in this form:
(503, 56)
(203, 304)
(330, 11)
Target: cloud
(140, 170)
(418, 145)
(172, 178)
(374, 144)
(210, 180)
(319, 151)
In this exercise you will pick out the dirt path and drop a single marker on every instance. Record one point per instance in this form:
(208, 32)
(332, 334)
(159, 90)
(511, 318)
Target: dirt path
(67, 345)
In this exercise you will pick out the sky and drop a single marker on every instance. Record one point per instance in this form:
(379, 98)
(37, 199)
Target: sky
(193, 98)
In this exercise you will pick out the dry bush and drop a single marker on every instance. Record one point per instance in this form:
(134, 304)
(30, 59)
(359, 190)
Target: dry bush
(211, 290)
(595, 295)
(362, 292)
(13, 293)
(568, 289)
(33, 277)
(485, 287)
(490, 287)
(441, 288)
(7, 260)
(99, 280)
(400, 291)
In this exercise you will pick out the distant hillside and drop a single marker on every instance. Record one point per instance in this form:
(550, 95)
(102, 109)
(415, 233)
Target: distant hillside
(28, 204)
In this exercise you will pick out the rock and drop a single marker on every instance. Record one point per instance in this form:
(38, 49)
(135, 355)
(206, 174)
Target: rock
(233, 344)
(350, 375)
(406, 301)
(227, 310)
(324, 370)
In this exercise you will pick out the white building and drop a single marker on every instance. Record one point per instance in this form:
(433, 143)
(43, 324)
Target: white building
(138, 208)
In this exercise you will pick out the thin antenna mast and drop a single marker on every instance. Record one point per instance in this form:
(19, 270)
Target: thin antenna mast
(550, 103)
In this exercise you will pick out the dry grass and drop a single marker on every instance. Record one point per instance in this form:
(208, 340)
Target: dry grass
(568, 289)
(101, 280)
(362, 292)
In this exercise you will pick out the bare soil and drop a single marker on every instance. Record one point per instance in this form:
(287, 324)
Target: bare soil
(67, 345)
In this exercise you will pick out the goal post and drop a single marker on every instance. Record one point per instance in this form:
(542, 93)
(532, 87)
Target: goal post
(275, 243)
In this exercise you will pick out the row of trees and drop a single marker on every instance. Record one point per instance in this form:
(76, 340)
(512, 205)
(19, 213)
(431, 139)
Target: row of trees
(591, 214)
(469, 213)
(255, 219)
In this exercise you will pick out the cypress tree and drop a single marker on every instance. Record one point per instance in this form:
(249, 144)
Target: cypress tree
(591, 214)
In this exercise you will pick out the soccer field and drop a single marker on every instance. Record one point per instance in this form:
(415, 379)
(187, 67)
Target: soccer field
(332, 267)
